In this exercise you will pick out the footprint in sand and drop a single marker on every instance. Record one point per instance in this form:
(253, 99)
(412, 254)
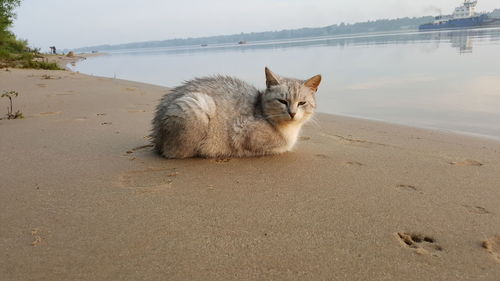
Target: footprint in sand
(130, 153)
(421, 244)
(37, 239)
(353, 164)
(352, 141)
(222, 160)
(321, 156)
(408, 187)
(149, 180)
(136, 110)
(492, 246)
(47, 77)
(49, 113)
(467, 162)
(142, 147)
(478, 210)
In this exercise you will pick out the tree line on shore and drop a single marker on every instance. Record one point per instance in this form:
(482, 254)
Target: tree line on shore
(13, 51)
(382, 25)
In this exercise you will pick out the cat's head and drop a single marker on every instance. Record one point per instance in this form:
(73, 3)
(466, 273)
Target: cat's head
(288, 100)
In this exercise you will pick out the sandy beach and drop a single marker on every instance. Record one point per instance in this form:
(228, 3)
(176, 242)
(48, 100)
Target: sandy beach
(84, 197)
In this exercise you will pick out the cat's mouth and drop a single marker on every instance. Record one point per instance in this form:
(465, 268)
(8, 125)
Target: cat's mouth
(291, 120)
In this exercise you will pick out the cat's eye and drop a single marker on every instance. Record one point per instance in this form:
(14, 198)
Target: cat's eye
(283, 101)
(302, 103)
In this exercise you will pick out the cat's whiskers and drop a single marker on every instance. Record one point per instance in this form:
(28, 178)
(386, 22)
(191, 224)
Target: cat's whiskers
(314, 121)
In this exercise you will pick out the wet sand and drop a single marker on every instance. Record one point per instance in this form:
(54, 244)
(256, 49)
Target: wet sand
(83, 197)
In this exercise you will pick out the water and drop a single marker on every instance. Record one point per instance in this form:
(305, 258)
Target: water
(448, 80)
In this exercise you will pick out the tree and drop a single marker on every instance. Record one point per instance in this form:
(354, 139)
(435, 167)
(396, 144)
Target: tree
(8, 41)
(15, 52)
(7, 14)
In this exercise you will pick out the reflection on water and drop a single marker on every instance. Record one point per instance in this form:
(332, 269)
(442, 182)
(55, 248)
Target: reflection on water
(459, 39)
(447, 80)
(462, 43)
(463, 40)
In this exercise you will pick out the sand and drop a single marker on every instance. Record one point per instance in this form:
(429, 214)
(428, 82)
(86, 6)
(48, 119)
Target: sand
(83, 197)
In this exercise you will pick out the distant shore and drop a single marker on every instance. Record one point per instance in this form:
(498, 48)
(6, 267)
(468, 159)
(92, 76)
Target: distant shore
(342, 29)
(84, 197)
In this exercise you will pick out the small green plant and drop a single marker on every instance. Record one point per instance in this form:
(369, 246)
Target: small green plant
(10, 110)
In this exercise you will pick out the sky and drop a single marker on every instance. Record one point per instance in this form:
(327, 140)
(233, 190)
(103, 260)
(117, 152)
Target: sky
(78, 23)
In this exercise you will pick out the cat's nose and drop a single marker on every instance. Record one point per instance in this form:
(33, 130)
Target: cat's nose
(292, 114)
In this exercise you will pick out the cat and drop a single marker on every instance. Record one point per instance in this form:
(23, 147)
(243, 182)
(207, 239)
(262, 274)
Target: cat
(221, 116)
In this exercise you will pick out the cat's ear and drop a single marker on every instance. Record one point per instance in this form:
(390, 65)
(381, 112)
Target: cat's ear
(271, 79)
(313, 83)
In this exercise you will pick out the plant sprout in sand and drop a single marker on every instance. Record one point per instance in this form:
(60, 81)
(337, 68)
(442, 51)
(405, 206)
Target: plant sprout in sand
(10, 113)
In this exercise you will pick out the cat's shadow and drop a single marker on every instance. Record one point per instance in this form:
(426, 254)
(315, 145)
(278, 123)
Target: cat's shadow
(147, 153)
(154, 173)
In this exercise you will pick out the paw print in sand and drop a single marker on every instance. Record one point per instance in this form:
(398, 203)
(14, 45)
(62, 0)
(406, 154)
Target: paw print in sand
(421, 244)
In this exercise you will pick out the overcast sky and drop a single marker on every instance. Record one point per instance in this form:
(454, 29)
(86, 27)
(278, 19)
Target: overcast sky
(79, 23)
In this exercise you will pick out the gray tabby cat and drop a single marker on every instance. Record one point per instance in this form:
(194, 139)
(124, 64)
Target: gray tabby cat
(225, 117)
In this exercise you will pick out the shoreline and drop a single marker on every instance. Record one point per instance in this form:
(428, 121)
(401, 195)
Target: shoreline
(484, 129)
(84, 197)
(63, 60)
(433, 129)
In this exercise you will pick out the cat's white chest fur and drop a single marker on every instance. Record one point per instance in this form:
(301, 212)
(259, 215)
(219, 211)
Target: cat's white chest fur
(291, 134)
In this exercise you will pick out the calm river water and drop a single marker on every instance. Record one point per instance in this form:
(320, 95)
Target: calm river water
(448, 80)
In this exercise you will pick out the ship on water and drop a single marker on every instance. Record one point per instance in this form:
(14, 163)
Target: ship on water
(464, 16)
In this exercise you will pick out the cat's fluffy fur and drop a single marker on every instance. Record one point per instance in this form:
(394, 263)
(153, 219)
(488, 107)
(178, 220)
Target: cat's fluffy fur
(225, 117)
